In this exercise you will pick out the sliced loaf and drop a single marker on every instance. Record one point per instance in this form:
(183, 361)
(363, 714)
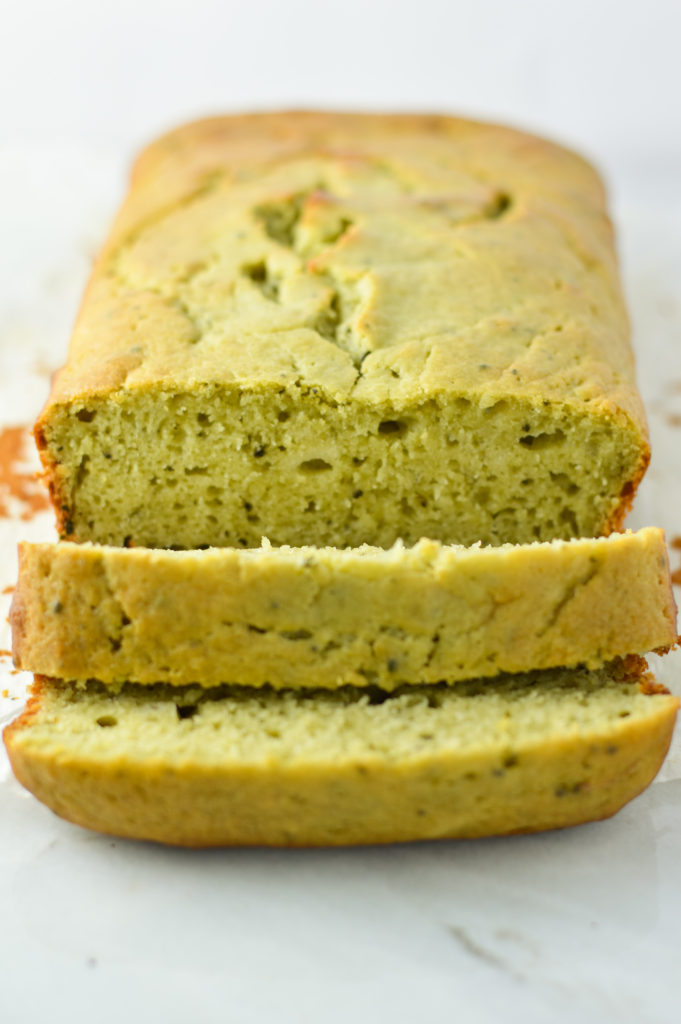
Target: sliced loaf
(326, 617)
(238, 766)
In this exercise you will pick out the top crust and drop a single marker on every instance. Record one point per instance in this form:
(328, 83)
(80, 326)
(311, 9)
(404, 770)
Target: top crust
(409, 255)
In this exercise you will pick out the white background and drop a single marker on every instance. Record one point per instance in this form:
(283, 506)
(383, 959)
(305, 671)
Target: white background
(600, 74)
(583, 925)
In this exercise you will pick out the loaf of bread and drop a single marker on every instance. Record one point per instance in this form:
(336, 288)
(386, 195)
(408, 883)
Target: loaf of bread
(239, 766)
(345, 331)
(320, 617)
(335, 329)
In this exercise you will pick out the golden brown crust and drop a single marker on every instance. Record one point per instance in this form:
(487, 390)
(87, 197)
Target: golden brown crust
(31, 711)
(628, 492)
(171, 170)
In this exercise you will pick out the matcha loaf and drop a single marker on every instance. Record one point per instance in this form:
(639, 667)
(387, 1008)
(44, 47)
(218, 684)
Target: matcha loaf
(298, 768)
(306, 617)
(334, 329)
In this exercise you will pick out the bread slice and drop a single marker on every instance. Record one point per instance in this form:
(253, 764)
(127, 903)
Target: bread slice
(204, 767)
(336, 329)
(295, 617)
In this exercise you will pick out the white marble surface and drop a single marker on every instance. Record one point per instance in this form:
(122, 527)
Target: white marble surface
(583, 925)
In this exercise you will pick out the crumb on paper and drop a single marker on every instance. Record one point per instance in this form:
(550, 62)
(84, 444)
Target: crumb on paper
(17, 482)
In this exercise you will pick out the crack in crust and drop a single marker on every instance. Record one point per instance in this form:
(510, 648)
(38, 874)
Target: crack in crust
(311, 225)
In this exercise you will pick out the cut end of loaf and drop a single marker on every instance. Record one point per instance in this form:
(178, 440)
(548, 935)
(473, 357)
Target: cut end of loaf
(226, 467)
